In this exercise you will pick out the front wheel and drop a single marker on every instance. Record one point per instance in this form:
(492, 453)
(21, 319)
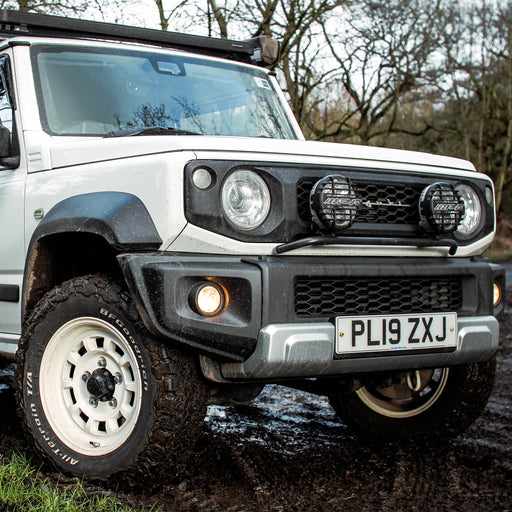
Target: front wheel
(430, 404)
(95, 392)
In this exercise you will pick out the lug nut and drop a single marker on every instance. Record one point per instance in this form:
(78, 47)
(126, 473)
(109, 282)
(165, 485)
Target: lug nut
(118, 378)
(86, 376)
(93, 401)
(102, 362)
(112, 403)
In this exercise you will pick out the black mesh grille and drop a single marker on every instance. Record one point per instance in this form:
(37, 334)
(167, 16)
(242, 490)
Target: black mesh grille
(381, 202)
(359, 296)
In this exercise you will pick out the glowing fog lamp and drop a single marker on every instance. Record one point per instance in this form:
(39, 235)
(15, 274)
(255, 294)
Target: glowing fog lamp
(208, 299)
(496, 294)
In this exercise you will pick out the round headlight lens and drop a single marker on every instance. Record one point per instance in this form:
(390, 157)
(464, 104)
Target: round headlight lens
(472, 210)
(245, 199)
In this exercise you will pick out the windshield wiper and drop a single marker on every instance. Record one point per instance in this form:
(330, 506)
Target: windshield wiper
(150, 130)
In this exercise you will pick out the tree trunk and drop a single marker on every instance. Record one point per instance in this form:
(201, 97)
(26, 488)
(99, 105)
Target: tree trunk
(503, 171)
(219, 18)
(164, 22)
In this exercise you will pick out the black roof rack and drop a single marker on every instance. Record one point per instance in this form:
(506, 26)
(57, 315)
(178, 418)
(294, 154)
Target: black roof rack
(262, 50)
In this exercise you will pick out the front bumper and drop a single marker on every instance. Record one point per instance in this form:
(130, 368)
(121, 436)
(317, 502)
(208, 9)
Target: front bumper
(279, 321)
(291, 351)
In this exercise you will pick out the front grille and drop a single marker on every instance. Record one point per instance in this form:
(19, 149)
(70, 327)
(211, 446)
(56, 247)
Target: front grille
(386, 203)
(374, 296)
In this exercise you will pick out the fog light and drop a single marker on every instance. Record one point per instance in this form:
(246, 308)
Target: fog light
(497, 294)
(209, 299)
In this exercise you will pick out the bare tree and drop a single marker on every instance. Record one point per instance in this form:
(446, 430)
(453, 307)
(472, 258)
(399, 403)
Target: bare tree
(296, 24)
(113, 11)
(166, 14)
(473, 118)
(63, 7)
(384, 53)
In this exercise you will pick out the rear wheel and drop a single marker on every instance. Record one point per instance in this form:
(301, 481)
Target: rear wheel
(429, 403)
(95, 392)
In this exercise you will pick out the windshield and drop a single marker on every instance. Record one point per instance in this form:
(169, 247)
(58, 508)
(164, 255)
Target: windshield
(99, 91)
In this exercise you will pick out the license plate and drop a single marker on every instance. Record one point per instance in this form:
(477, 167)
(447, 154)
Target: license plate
(364, 334)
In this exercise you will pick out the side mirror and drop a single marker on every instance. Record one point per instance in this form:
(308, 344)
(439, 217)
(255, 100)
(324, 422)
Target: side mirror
(5, 142)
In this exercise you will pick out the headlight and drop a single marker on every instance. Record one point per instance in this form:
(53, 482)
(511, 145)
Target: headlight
(472, 210)
(245, 199)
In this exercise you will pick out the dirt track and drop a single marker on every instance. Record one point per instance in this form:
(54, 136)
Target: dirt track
(287, 451)
(257, 459)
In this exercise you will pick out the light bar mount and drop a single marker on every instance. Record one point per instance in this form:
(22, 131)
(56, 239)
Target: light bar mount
(262, 51)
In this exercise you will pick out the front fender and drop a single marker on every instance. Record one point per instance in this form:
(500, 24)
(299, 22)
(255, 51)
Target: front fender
(120, 218)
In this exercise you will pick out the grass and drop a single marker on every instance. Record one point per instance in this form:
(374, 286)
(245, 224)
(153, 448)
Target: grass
(24, 489)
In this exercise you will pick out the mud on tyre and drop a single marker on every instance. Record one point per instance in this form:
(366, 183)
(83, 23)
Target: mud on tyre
(95, 392)
(430, 404)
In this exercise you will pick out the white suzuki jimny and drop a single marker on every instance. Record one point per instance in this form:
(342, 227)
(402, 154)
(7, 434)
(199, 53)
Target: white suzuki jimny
(169, 239)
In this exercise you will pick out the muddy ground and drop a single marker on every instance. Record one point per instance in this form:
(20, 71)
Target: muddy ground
(287, 451)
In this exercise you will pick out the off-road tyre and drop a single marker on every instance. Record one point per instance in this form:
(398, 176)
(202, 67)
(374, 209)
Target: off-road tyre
(450, 402)
(159, 395)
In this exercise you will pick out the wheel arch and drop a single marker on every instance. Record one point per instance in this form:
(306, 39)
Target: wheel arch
(83, 235)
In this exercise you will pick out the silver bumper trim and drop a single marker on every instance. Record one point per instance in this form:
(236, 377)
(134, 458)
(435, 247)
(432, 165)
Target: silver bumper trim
(306, 350)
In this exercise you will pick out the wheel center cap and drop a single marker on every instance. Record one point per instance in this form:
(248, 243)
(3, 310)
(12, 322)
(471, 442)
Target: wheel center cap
(101, 385)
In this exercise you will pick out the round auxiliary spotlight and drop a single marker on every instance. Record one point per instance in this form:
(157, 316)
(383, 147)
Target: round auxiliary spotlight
(334, 202)
(441, 208)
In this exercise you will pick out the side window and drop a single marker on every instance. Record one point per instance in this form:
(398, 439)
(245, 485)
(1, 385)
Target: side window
(9, 153)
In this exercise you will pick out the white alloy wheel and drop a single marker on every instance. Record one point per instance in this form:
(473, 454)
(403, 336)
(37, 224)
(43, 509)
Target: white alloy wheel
(423, 404)
(406, 395)
(90, 386)
(98, 395)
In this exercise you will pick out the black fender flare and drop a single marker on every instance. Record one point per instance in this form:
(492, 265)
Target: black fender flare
(120, 218)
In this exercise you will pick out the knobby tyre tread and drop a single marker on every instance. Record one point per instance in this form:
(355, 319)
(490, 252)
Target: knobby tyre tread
(461, 402)
(177, 393)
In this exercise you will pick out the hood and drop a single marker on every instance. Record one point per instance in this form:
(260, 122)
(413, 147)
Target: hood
(77, 151)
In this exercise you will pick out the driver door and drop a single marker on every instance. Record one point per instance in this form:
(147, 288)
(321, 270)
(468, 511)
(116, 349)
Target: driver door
(12, 197)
